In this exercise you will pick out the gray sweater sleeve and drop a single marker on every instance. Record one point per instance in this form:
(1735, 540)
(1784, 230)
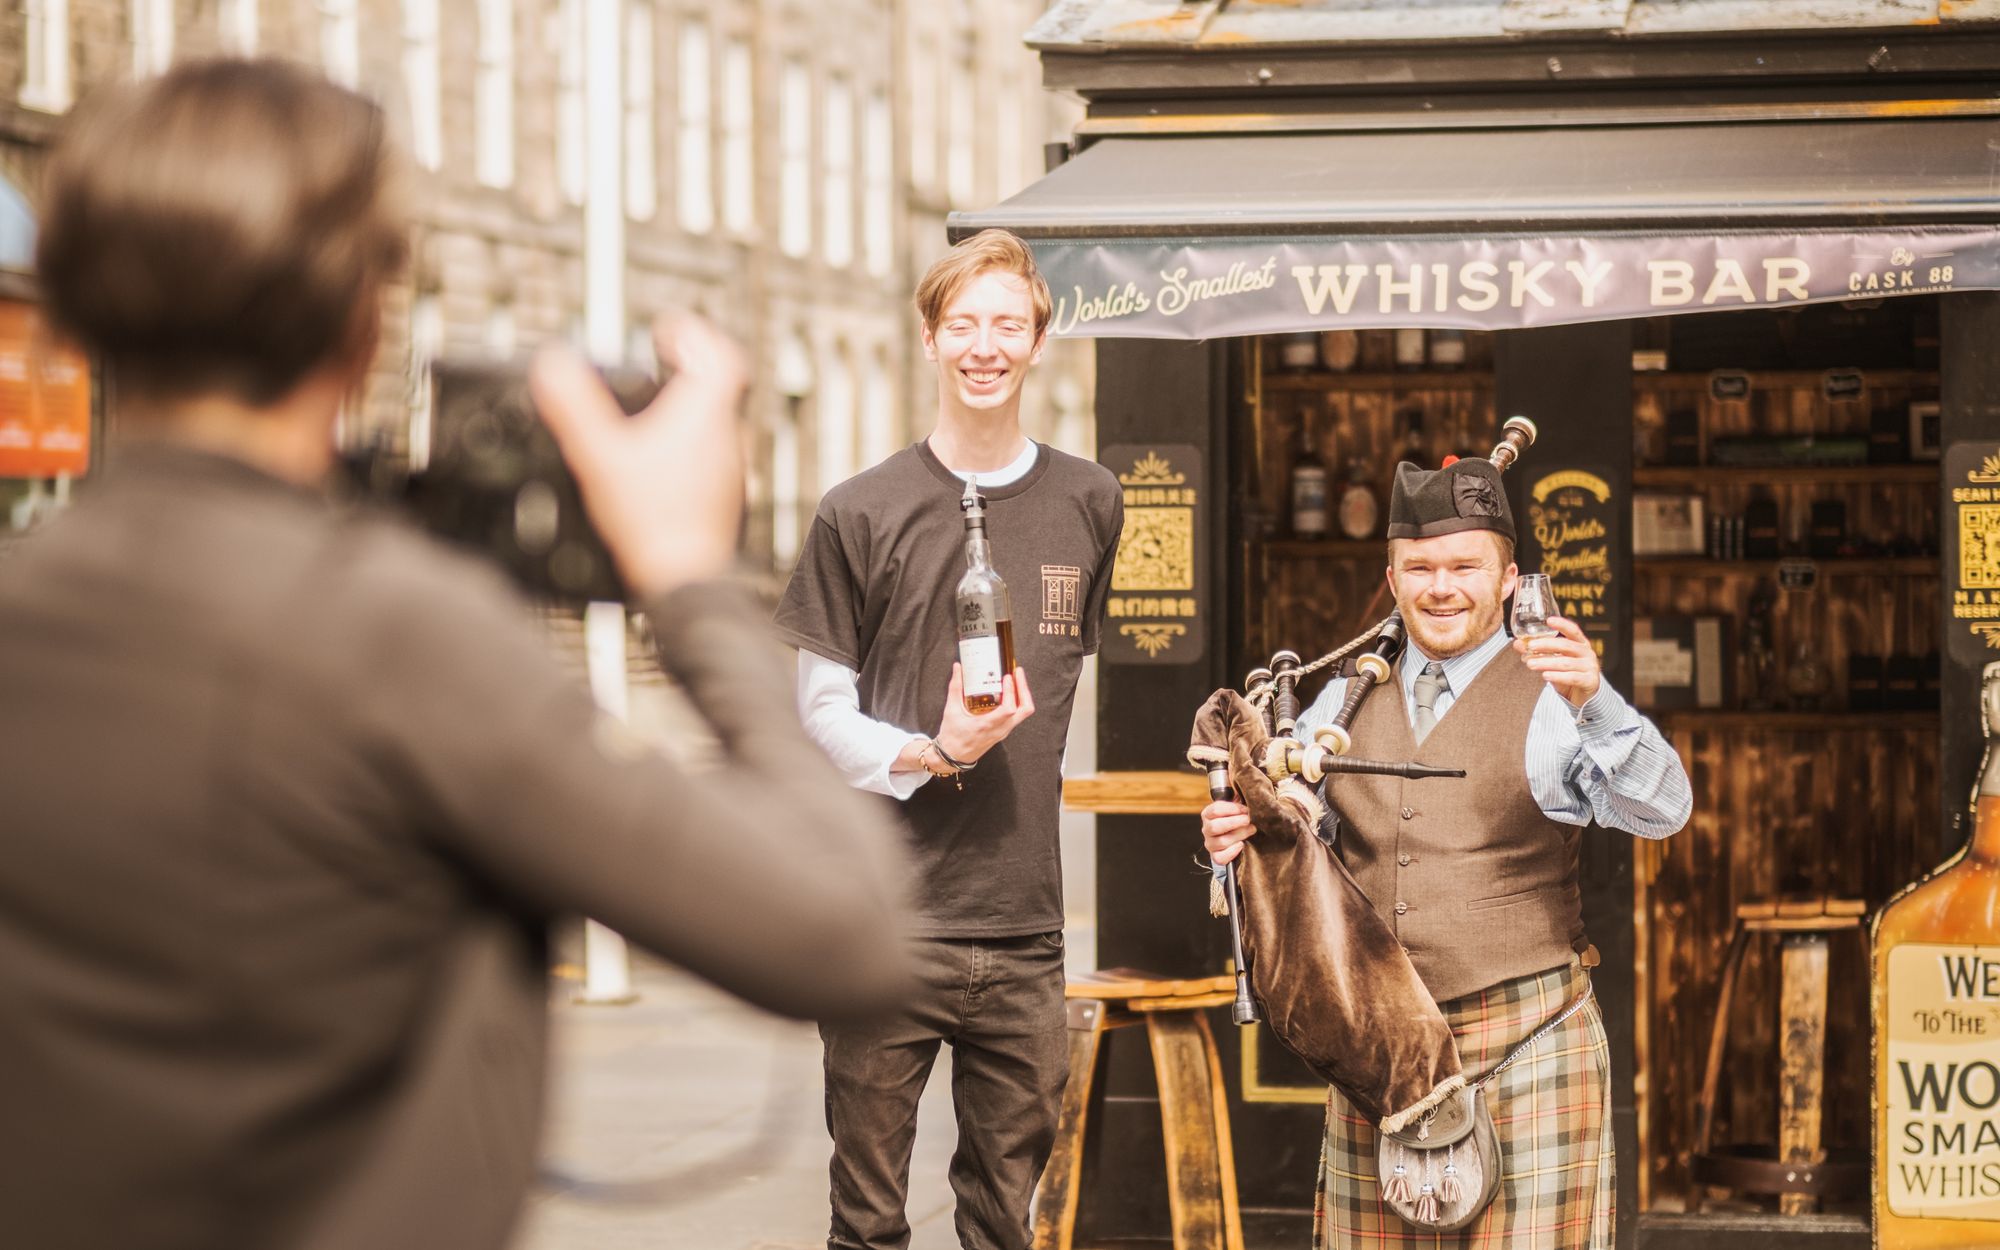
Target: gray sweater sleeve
(765, 874)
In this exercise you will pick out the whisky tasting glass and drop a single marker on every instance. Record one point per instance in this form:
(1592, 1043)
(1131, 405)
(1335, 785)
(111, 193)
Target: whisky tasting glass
(1534, 603)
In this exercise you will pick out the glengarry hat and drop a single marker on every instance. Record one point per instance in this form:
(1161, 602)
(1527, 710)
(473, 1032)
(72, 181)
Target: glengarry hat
(1463, 495)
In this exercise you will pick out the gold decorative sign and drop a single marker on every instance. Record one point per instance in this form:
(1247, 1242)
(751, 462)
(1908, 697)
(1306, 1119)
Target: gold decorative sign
(1972, 550)
(1943, 1053)
(1157, 602)
(1572, 528)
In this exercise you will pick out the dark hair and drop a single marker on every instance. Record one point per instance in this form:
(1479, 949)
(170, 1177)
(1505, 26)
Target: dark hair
(226, 228)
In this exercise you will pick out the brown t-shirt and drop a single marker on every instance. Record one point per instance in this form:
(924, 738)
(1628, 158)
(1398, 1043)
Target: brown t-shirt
(874, 590)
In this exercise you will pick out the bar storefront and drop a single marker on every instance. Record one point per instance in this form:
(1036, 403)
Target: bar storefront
(1746, 281)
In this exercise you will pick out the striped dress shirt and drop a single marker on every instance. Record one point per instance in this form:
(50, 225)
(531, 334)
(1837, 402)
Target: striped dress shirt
(1604, 762)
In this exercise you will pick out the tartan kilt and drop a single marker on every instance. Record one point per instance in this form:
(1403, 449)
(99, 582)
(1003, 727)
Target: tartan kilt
(1551, 1110)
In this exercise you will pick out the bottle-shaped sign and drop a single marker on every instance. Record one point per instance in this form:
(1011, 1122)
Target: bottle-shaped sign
(1937, 1038)
(985, 618)
(1310, 485)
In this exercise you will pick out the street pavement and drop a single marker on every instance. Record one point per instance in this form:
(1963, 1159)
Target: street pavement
(688, 1120)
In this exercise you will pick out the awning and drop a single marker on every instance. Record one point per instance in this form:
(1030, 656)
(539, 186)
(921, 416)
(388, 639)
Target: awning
(1213, 235)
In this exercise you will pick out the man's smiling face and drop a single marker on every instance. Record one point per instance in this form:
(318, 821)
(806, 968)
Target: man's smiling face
(984, 342)
(1451, 589)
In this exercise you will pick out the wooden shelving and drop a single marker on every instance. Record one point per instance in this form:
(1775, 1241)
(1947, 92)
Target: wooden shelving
(1327, 548)
(1795, 722)
(1415, 380)
(1795, 379)
(1923, 473)
(1829, 566)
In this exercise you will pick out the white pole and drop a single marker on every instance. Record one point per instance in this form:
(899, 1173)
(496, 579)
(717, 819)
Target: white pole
(607, 976)
(607, 968)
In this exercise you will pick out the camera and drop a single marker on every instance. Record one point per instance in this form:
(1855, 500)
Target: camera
(495, 482)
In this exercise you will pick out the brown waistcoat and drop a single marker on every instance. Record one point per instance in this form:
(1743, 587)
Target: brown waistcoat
(1477, 884)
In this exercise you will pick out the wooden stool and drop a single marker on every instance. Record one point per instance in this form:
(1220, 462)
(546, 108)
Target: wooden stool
(1201, 1164)
(1798, 1172)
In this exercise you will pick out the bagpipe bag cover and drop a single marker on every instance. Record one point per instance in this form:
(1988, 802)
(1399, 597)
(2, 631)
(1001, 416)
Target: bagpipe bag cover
(1336, 986)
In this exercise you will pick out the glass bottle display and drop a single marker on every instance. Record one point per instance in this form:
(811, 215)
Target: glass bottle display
(985, 617)
(1936, 1005)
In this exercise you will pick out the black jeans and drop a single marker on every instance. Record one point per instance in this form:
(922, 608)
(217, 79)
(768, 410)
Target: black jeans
(999, 1002)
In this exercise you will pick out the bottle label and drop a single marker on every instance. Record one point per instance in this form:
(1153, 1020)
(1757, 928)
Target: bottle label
(1309, 502)
(1358, 511)
(980, 660)
(1942, 1054)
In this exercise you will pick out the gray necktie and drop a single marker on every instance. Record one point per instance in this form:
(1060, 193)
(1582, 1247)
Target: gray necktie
(1430, 684)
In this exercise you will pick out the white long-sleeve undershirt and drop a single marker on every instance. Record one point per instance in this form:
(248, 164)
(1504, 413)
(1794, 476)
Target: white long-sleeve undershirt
(862, 748)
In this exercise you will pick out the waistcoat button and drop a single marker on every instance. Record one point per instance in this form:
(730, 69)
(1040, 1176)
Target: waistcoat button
(1401, 908)
(1408, 814)
(1404, 860)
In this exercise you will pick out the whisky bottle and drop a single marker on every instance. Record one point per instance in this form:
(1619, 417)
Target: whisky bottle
(1360, 513)
(985, 618)
(1310, 486)
(1936, 1002)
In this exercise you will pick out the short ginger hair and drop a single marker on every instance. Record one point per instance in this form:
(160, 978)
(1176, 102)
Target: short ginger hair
(225, 229)
(989, 251)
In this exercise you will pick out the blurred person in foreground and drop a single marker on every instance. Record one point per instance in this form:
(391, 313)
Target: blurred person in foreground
(291, 793)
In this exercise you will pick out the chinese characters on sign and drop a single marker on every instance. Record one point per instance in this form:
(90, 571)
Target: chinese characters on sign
(44, 399)
(1571, 531)
(1155, 607)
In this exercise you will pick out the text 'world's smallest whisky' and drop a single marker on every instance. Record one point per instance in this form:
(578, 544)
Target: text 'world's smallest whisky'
(985, 618)
(1937, 1037)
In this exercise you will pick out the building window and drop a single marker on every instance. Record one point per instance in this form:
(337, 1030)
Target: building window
(1007, 138)
(426, 344)
(493, 94)
(739, 187)
(792, 372)
(152, 36)
(696, 194)
(642, 180)
(881, 419)
(570, 169)
(503, 333)
(837, 132)
(45, 83)
(236, 26)
(924, 116)
(878, 204)
(420, 80)
(961, 148)
(640, 351)
(795, 164)
(836, 420)
(340, 41)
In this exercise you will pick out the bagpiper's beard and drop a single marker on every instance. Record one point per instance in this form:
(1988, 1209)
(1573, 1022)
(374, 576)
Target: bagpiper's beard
(1443, 639)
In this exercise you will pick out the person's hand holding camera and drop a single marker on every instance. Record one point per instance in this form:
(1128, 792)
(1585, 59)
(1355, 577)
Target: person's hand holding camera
(665, 486)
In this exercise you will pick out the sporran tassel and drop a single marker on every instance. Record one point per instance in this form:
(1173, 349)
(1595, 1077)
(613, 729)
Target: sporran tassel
(1427, 1206)
(1398, 1189)
(1452, 1188)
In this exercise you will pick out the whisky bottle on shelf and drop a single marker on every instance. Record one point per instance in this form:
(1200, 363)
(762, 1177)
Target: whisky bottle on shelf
(1410, 347)
(1310, 485)
(1360, 513)
(985, 618)
(1936, 1003)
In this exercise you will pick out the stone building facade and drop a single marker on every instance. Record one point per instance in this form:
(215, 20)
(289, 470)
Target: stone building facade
(787, 168)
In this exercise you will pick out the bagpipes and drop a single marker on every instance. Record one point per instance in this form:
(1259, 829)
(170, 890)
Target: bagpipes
(1313, 957)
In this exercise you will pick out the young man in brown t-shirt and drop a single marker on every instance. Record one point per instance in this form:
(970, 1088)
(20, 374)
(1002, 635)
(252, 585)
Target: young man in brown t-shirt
(871, 609)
